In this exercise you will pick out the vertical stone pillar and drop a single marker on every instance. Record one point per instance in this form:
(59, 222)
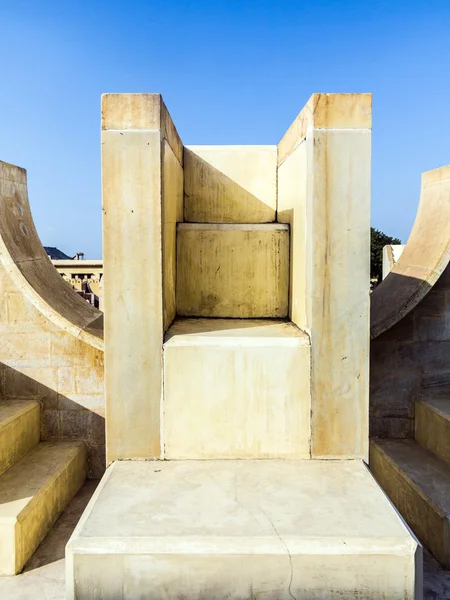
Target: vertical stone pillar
(324, 193)
(142, 189)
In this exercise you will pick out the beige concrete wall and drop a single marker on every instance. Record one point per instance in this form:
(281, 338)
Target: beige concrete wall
(39, 360)
(324, 193)
(410, 359)
(230, 270)
(230, 184)
(291, 209)
(172, 199)
(236, 388)
(142, 190)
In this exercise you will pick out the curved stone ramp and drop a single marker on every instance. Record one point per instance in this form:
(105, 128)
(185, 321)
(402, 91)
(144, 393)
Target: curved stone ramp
(26, 261)
(424, 258)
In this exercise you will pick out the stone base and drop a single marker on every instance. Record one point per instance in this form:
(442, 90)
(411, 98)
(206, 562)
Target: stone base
(267, 529)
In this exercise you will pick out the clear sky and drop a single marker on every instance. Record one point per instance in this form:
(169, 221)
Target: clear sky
(230, 72)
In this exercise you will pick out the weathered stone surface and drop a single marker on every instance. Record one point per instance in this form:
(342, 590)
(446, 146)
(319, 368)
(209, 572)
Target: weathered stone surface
(419, 486)
(32, 495)
(432, 425)
(424, 258)
(236, 389)
(284, 529)
(19, 430)
(132, 238)
(234, 271)
(230, 184)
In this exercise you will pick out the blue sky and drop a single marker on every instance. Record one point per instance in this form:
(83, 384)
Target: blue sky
(231, 72)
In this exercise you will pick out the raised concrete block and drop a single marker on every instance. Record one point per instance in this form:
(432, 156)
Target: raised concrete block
(230, 184)
(419, 486)
(236, 389)
(432, 426)
(19, 430)
(33, 493)
(209, 530)
(236, 271)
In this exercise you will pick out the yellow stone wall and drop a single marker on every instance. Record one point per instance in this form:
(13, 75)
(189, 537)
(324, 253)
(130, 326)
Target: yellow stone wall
(40, 360)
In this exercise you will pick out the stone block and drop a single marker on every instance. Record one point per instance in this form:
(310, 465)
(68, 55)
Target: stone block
(33, 493)
(236, 389)
(172, 213)
(292, 178)
(230, 184)
(132, 249)
(66, 351)
(236, 271)
(66, 380)
(391, 427)
(19, 350)
(432, 425)
(51, 425)
(208, 530)
(418, 484)
(19, 430)
(20, 311)
(338, 246)
(89, 380)
(429, 329)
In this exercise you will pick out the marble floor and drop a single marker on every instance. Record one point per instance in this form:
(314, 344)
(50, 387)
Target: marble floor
(43, 577)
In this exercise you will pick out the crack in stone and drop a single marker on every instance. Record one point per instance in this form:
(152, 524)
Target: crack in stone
(287, 550)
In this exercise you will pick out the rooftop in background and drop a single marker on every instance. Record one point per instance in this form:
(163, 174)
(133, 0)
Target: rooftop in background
(56, 254)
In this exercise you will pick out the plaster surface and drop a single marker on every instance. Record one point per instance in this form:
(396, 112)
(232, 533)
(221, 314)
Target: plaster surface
(230, 184)
(230, 270)
(285, 529)
(236, 388)
(45, 571)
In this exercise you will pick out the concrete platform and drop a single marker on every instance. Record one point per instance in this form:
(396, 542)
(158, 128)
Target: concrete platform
(272, 530)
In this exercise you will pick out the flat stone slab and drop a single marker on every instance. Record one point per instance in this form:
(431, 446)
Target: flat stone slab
(266, 529)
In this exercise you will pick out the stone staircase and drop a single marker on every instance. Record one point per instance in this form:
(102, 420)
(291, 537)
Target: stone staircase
(37, 480)
(237, 378)
(416, 473)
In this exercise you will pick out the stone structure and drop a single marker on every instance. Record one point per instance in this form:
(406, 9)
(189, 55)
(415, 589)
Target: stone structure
(51, 383)
(85, 276)
(410, 372)
(234, 362)
(391, 254)
(237, 340)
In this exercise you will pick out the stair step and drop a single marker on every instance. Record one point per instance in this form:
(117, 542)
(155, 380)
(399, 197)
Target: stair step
(232, 271)
(432, 425)
(236, 388)
(19, 430)
(33, 493)
(241, 529)
(418, 484)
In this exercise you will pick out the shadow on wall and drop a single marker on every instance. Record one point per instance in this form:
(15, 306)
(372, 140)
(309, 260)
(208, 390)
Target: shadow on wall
(211, 196)
(61, 418)
(411, 358)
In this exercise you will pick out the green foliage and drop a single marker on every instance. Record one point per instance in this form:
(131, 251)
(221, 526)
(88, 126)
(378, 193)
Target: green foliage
(378, 240)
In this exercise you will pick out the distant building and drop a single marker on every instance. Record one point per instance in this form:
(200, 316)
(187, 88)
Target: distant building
(84, 276)
(391, 254)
